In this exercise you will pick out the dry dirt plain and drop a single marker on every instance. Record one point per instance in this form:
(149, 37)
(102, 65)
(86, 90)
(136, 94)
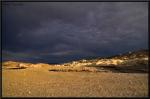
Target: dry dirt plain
(39, 82)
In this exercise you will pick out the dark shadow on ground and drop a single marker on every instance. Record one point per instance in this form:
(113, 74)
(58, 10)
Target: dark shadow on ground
(55, 70)
(111, 68)
(14, 68)
(125, 69)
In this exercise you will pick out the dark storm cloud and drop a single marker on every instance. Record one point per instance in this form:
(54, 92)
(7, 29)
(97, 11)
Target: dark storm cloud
(76, 29)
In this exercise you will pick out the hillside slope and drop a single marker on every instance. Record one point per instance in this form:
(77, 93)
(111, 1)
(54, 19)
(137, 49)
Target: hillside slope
(128, 62)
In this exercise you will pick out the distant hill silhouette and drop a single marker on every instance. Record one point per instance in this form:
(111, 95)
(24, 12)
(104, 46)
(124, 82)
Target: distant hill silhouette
(132, 55)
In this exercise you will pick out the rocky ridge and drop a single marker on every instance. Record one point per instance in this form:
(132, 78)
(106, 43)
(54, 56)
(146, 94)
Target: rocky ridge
(129, 61)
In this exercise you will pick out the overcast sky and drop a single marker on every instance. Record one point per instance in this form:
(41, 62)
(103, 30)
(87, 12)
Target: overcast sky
(56, 32)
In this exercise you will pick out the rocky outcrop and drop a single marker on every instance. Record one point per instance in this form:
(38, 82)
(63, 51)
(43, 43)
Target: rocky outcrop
(109, 62)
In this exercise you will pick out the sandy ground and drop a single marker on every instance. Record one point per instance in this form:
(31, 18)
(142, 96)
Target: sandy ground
(39, 82)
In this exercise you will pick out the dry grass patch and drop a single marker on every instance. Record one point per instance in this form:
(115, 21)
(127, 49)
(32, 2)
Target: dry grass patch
(74, 69)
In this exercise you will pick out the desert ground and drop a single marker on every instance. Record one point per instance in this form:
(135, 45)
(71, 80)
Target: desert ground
(40, 82)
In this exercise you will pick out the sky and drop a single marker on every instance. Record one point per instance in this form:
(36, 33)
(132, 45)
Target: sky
(57, 32)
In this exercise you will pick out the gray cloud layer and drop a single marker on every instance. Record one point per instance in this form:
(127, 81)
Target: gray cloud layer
(76, 29)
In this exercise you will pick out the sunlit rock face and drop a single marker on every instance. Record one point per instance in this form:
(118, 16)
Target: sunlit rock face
(38, 65)
(146, 58)
(22, 65)
(109, 62)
